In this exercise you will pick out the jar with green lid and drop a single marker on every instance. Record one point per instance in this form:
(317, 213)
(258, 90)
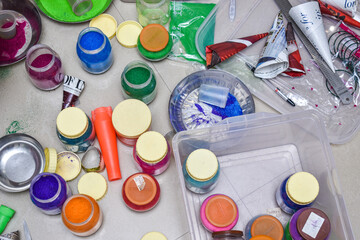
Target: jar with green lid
(138, 81)
(75, 129)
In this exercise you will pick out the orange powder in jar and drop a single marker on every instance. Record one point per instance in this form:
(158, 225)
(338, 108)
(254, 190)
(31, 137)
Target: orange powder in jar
(78, 210)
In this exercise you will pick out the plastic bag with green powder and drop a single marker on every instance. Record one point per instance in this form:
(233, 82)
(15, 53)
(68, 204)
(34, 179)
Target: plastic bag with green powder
(186, 18)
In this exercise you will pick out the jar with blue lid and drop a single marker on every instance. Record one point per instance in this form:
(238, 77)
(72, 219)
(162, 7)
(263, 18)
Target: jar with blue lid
(297, 191)
(48, 192)
(201, 171)
(75, 129)
(94, 50)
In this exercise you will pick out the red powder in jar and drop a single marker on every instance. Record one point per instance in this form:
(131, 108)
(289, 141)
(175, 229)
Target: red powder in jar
(10, 47)
(6, 25)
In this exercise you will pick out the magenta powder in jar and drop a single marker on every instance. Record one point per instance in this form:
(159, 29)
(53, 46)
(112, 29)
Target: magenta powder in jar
(44, 67)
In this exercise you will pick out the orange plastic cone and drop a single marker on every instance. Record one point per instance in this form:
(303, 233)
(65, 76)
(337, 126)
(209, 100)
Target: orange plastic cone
(106, 135)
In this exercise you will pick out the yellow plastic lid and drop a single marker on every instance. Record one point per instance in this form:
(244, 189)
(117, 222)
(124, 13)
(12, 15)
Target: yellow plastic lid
(154, 37)
(202, 164)
(128, 33)
(106, 23)
(151, 147)
(93, 184)
(68, 165)
(302, 188)
(154, 236)
(50, 160)
(72, 122)
(131, 118)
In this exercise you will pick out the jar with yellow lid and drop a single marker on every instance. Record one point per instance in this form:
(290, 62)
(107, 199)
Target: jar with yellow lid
(152, 153)
(75, 129)
(131, 118)
(297, 191)
(201, 171)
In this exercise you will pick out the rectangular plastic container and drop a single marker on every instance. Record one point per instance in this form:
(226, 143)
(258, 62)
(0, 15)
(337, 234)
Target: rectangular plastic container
(256, 153)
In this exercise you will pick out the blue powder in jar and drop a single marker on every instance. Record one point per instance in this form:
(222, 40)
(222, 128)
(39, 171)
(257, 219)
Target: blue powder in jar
(91, 40)
(46, 187)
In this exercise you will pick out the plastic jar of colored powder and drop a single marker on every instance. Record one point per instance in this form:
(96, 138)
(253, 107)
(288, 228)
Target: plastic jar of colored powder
(297, 191)
(228, 235)
(81, 214)
(201, 171)
(141, 192)
(7, 24)
(308, 224)
(154, 42)
(152, 153)
(44, 67)
(94, 50)
(219, 212)
(153, 11)
(138, 81)
(264, 225)
(48, 192)
(75, 129)
(131, 118)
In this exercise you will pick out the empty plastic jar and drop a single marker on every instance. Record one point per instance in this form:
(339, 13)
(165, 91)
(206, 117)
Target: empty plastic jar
(201, 171)
(80, 7)
(7, 24)
(153, 11)
(44, 67)
(81, 214)
(94, 50)
(138, 81)
(48, 192)
(131, 118)
(264, 225)
(297, 191)
(308, 224)
(152, 153)
(219, 212)
(75, 129)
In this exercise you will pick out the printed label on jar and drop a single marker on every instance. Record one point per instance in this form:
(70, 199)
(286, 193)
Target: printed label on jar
(313, 225)
(73, 85)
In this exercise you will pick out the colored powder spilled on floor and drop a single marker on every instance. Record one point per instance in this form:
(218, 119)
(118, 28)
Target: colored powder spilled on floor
(10, 47)
(91, 40)
(46, 187)
(137, 75)
(14, 127)
(78, 210)
(231, 109)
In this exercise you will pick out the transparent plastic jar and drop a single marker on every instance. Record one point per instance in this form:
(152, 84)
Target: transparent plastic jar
(153, 11)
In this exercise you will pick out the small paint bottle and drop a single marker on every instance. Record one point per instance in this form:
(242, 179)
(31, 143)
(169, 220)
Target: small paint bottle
(94, 50)
(131, 118)
(48, 192)
(44, 67)
(138, 81)
(219, 212)
(264, 225)
(201, 171)
(82, 215)
(154, 42)
(75, 129)
(308, 224)
(141, 192)
(297, 191)
(152, 153)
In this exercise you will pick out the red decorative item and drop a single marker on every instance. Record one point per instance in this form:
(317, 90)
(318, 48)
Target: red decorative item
(219, 52)
(336, 13)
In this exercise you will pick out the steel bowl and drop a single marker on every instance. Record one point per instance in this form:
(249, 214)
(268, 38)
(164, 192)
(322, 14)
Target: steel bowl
(21, 159)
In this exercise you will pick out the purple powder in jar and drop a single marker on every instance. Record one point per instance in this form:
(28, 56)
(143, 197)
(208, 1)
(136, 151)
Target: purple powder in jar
(46, 187)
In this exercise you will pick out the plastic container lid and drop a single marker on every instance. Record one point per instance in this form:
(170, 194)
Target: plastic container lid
(106, 23)
(68, 165)
(131, 118)
(302, 188)
(221, 211)
(143, 197)
(225, 235)
(128, 33)
(202, 164)
(151, 147)
(50, 160)
(313, 224)
(72, 122)
(154, 37)
(269, 226)
(154, 236)
(261, 237)
(93, 184)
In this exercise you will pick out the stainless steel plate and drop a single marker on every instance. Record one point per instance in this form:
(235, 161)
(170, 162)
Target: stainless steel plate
(21, 159)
